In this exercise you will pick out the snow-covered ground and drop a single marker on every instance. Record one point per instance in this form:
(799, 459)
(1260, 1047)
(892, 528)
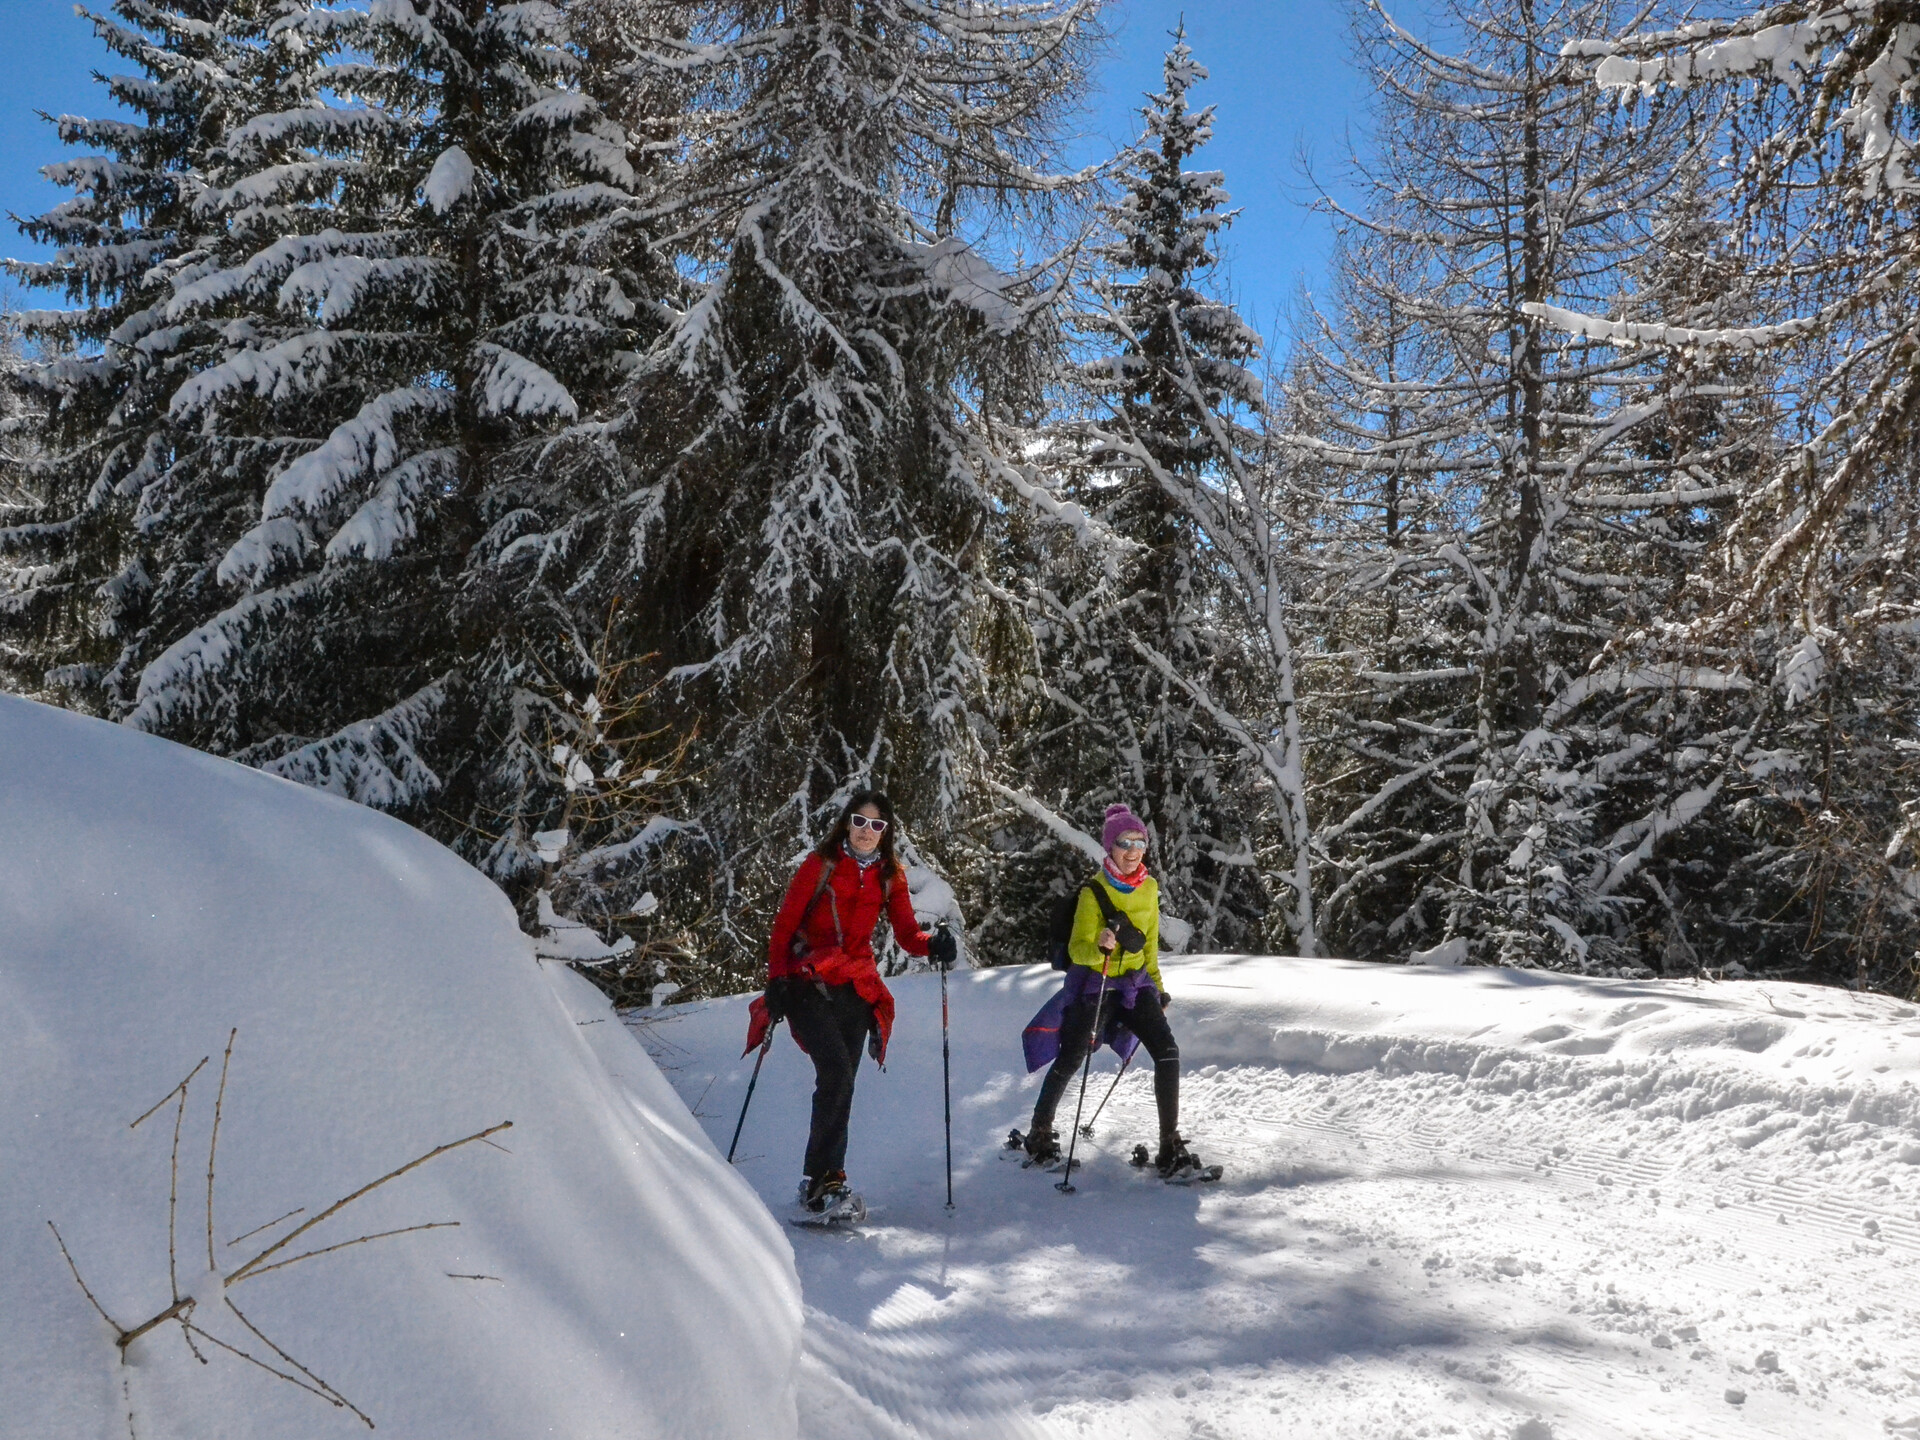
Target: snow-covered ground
(595, 1272)
(1458, 1202)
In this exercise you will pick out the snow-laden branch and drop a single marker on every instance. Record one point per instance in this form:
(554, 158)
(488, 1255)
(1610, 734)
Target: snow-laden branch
(1062, 830)
(1640, 677)
(376, 761)
(1744, 338)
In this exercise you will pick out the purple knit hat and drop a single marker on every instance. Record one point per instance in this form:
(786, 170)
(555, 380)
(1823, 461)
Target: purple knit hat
(1119, 821)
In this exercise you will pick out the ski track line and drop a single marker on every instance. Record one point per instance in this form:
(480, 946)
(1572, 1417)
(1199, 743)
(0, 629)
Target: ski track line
(1586, 1371)
(1793, 1197)
(888, 1371)
(1692, 1214)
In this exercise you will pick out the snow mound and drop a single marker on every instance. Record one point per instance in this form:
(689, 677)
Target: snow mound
(595, 1270)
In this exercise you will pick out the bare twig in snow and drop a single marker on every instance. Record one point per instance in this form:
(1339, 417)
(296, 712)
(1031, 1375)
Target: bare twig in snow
(135, 1124)
(332, 1400)
(357, 1240)
(252, 1265)
(213, 1141)
(176, 1311)
(297, 1210)
(267, 1340)
(184, 1307)
(81, 1283)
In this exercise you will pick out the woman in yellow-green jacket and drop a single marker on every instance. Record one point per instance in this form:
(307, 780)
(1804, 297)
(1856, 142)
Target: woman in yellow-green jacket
(1113, 985)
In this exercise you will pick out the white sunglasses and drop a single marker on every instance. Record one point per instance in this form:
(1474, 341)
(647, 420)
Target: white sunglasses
(863, 822)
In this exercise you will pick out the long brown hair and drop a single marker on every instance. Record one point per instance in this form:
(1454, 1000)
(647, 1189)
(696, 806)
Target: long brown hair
(829, 849)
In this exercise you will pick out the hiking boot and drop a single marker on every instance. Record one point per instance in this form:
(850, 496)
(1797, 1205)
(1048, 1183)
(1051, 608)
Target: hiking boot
(1173, 1157)
(1041, 1146)
(820, 1195)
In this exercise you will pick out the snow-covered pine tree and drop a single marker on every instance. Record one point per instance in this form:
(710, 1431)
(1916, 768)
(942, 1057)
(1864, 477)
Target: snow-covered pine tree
(821, 420)
(105, 458)
(1485, 502)
(20, 669)
(1811, 582)
(1163, 667)
(17, 421)
(430, 267)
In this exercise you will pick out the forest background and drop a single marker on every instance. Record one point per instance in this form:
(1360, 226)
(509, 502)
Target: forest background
(606, 433)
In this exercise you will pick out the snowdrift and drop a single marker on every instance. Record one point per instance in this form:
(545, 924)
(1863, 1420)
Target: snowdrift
(595, 1270)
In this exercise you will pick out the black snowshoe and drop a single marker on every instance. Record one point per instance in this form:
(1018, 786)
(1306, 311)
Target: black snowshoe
(1039, 1150)
(1175, 1163)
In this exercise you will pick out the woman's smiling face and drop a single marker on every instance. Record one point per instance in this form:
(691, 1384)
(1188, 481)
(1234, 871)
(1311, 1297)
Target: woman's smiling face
(865, 839)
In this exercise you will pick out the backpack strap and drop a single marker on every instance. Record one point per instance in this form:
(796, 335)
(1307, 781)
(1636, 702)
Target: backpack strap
(1104, 901)
(827, 868)
(1116, 922)
(800, 926)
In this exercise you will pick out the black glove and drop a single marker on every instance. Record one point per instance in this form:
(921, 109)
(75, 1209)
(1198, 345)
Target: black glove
(1165, 999)
(942, 949)
(779, 993)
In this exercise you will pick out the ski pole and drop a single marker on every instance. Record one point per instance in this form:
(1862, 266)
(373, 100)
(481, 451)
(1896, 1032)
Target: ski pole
(1087, 1129)
(758, 1060)
(946, 1079)
(1066, 1186)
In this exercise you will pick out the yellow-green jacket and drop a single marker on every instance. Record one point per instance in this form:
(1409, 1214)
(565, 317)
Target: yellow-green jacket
(1141, 905)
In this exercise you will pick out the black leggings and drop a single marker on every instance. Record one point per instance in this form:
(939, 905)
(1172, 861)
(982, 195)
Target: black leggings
(831, 1022)
(1148, 1021)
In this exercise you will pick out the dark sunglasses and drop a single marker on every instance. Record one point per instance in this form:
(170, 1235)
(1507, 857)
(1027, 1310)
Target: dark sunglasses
(862, 822)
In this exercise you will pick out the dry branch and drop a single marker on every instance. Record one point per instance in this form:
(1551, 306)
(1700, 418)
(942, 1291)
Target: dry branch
(251, 1266)
(183, 1307)
(297, 1210)
(81, 1283)
(357, 1240)
(332, 1400)
(179, 1309)
(173, 1190)
(135, 1124)
(213, 1141)
(266, 1340)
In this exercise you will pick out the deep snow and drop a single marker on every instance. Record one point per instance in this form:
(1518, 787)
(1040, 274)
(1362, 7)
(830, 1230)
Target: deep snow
(609, 1276)
(1458, 1203)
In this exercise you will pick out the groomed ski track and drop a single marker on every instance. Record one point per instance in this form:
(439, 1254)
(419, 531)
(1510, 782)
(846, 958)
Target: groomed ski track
(1457, 1203)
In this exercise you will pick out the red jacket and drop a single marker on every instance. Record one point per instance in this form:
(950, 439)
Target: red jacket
(839, 935)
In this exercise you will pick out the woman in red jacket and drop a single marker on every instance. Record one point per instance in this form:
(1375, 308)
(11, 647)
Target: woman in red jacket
(822, 978)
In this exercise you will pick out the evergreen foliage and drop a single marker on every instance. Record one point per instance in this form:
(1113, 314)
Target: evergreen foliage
(606, 433)
(1150, 651)
(91, 583)
(818, 422)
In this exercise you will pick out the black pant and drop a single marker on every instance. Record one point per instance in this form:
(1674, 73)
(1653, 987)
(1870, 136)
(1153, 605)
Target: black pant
(832, 1022)
(1148, 1021)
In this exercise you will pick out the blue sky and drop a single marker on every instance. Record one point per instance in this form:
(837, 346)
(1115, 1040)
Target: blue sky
(1280, 77)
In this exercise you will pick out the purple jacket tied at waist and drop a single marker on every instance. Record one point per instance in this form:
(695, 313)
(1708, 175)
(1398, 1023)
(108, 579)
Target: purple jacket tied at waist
(1041, 1038)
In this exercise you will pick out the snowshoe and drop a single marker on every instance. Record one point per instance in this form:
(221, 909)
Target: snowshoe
(829, 1203)
(1039, 1150)
(1193, 1173)
(1176, 1164)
